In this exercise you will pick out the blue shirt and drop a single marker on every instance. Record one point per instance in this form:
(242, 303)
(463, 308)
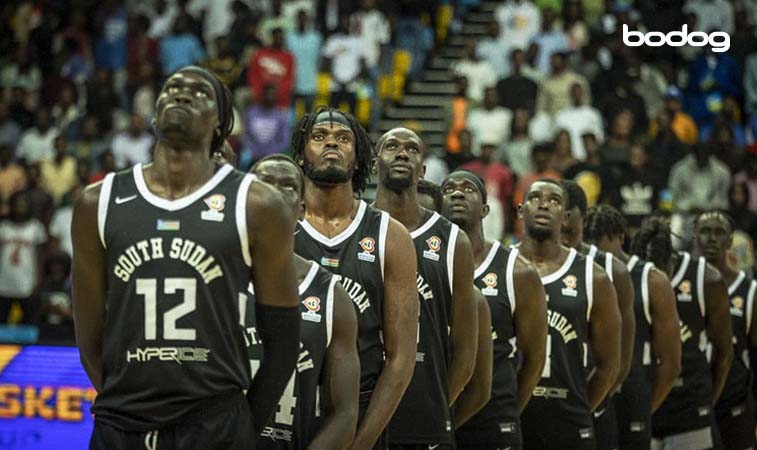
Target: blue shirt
(306, 49)
(179, 51)
(110, 48)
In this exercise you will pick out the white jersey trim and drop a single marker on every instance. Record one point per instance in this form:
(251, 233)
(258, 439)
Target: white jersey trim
(735, 285)
(545, 280)
(510, 278)
(700, 284)
(330, 308)
(454, 232)
(589, 286)
(383, 231)
(240, 211)
(303, 286)
(179, 203)
(681, 269)
(645, 291)
(608, 266)
(341, 237)
(593, 249)
(102, 205)
(632, 262)
(488, 260)
(423, 228)
(750, 304)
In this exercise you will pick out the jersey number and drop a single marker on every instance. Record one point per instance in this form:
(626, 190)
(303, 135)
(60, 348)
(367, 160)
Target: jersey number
(547, 372)
(285, 414)
(148, 288)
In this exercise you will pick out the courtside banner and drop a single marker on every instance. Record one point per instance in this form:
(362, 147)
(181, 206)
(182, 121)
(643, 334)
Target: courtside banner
(45, 398)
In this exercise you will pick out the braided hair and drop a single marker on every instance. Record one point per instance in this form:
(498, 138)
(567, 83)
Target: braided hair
(715, 214)
(604, 220)
(364, 149)
(652, 242)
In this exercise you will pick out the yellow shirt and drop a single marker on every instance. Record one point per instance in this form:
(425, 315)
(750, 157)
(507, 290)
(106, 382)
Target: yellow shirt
(58, 179)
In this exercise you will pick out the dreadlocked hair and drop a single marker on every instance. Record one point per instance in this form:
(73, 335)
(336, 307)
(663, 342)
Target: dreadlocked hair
(226, 116)
(364, 149)
(432, 190)
(576, 197)
(715, 214)
(652, 242)
(603, 220)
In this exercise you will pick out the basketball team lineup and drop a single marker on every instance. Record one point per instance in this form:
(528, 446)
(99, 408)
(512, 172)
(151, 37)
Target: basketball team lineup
(279, 310)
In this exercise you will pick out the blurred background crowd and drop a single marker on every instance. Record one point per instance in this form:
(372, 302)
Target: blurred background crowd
(515, 90)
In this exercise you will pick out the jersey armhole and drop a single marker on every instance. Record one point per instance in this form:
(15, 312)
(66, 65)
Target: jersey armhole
(510, 279)
(330, 309)
(451, 256)
(102, 205)
(589, 286)
(701, 265)
(383, 231)
(645, 291)
(750, 304)
(241, 216)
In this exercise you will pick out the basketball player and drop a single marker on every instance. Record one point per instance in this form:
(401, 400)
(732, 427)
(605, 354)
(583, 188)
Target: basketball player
(605, 423)
(518, 311)
(372, 252)
(735, 409)
(446, 346)
(429, 195)
(582, 316)
(163, 255)
(685, 419)
(319, 406)
(656, 359)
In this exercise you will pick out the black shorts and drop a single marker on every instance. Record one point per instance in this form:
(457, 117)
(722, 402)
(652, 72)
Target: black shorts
(634, 420)
(488, 447)
(382, 443)
(503, 433)
(543, 431)
(736, 426)
(606, 426)
(229, 430)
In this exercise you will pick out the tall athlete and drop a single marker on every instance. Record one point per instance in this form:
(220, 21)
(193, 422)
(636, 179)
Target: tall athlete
(582, 316)
(735, 409)
(163, 255)
(518, 314)
(605, 423)
(372, 252)
(685, 419)
(318, 409)
(446, 346)
(656, 359)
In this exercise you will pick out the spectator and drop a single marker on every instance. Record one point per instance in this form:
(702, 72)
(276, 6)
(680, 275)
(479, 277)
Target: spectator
(102, 100)
(648, 82)
(724, 146)
(574, 25)
(712, 77)
(76, 64)
(373, 27)
(493, 50)
(563, 155)
(107, 165)
(682, 125)
(83, 172)
(146, 92)
(224, 64)
(499, 187)
(329, 12)
(180, 48)
(615, 149)
(589, 173)
(40, 201)
(578, 120)
(267, 130)
(519, 21)
(58, 174)
(22, 73)
(465, 153)
(54, 318)
(665, 149)
(345, 54)
(479, 73)
(712, 15)
(22, 240)
(60, 225)
(90, 143)
(699, 182)
(195, 26)
(75, 31)
(10, 131)
(491, 123)
(412, 34)
(141, 49)
(750, 84)
(729, 117)
(620, 96)
(162, 18)
(517, 90)
(36, 143)
(110, 47)
(550, 39)
(66, 111)
(744, 218)
(272, 20)
(518, 149)
(748, 176)
(456, 115)
(554, 94)
(132, 146)
(436, 167)
(12, 177)
(637, 190)
(304, 42)
(272, 65)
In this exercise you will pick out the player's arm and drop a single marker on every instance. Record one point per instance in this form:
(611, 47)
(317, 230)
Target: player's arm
(625, 292)
(400, 331)
(479, 389)
(666, 336)
(530, 328)
(341, 387)
(270, 229)
(88, 277)
(718, 322)
(604, 337)
(463, 342)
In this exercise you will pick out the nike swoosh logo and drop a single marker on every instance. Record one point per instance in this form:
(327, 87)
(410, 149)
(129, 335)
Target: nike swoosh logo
(598, 413)
(120, 200)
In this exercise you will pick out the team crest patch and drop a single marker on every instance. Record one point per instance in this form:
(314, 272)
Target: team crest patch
(737, 303)
(313, 305)
(216, 203)
(368, 244)
(570, 282)
(434, 244)
(490, 280)
(684, 291)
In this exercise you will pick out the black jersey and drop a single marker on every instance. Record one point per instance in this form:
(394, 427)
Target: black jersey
(498, 422)
(559, 413)
(604, 259)
(177, 272)
(738, 385)
(357, 255)
(423, 416)
(641, 361)
(687, 407)
(297, 418)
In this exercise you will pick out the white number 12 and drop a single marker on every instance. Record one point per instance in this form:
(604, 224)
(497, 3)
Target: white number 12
(148, 287)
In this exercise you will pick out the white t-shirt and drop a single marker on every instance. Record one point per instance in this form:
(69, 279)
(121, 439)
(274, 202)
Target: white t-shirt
(578, 121)
(35, 146)
(490, 127)
(345, 52)
(374, 29)
(60, 227)
(18, 257)
(129, 150)
(519, 22)
(480, 76)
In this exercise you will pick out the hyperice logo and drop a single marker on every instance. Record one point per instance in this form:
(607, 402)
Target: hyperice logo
(720, 41)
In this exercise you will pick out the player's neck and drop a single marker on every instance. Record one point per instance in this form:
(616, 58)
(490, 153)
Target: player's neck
(541, 251)
(478, 243)
(621, 254)
(402, 206)
(722, 265)
(176, 173)
(302, 267)
(329, 202)
(583, 248)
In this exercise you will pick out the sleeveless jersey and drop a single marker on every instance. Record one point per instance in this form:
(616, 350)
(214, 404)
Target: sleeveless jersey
(498, 421)
(177, 271)
(297, 418)
(687, 407)
(641, 361)
(737, 388)
(560, 401)
(423, 416)
(357, 255)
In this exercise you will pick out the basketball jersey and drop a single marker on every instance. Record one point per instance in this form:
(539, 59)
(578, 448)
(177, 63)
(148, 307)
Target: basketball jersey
(357, 256)
(423, 415)
(688, 404)
(739, 382)
(560, 400)
(641, 360)
(296, 420)
(498, 421)
(177, 272)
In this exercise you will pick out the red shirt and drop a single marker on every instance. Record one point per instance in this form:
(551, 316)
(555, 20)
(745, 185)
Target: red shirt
(272, 66)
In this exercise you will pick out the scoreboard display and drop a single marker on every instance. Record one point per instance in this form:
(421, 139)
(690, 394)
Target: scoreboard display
(45, 398)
